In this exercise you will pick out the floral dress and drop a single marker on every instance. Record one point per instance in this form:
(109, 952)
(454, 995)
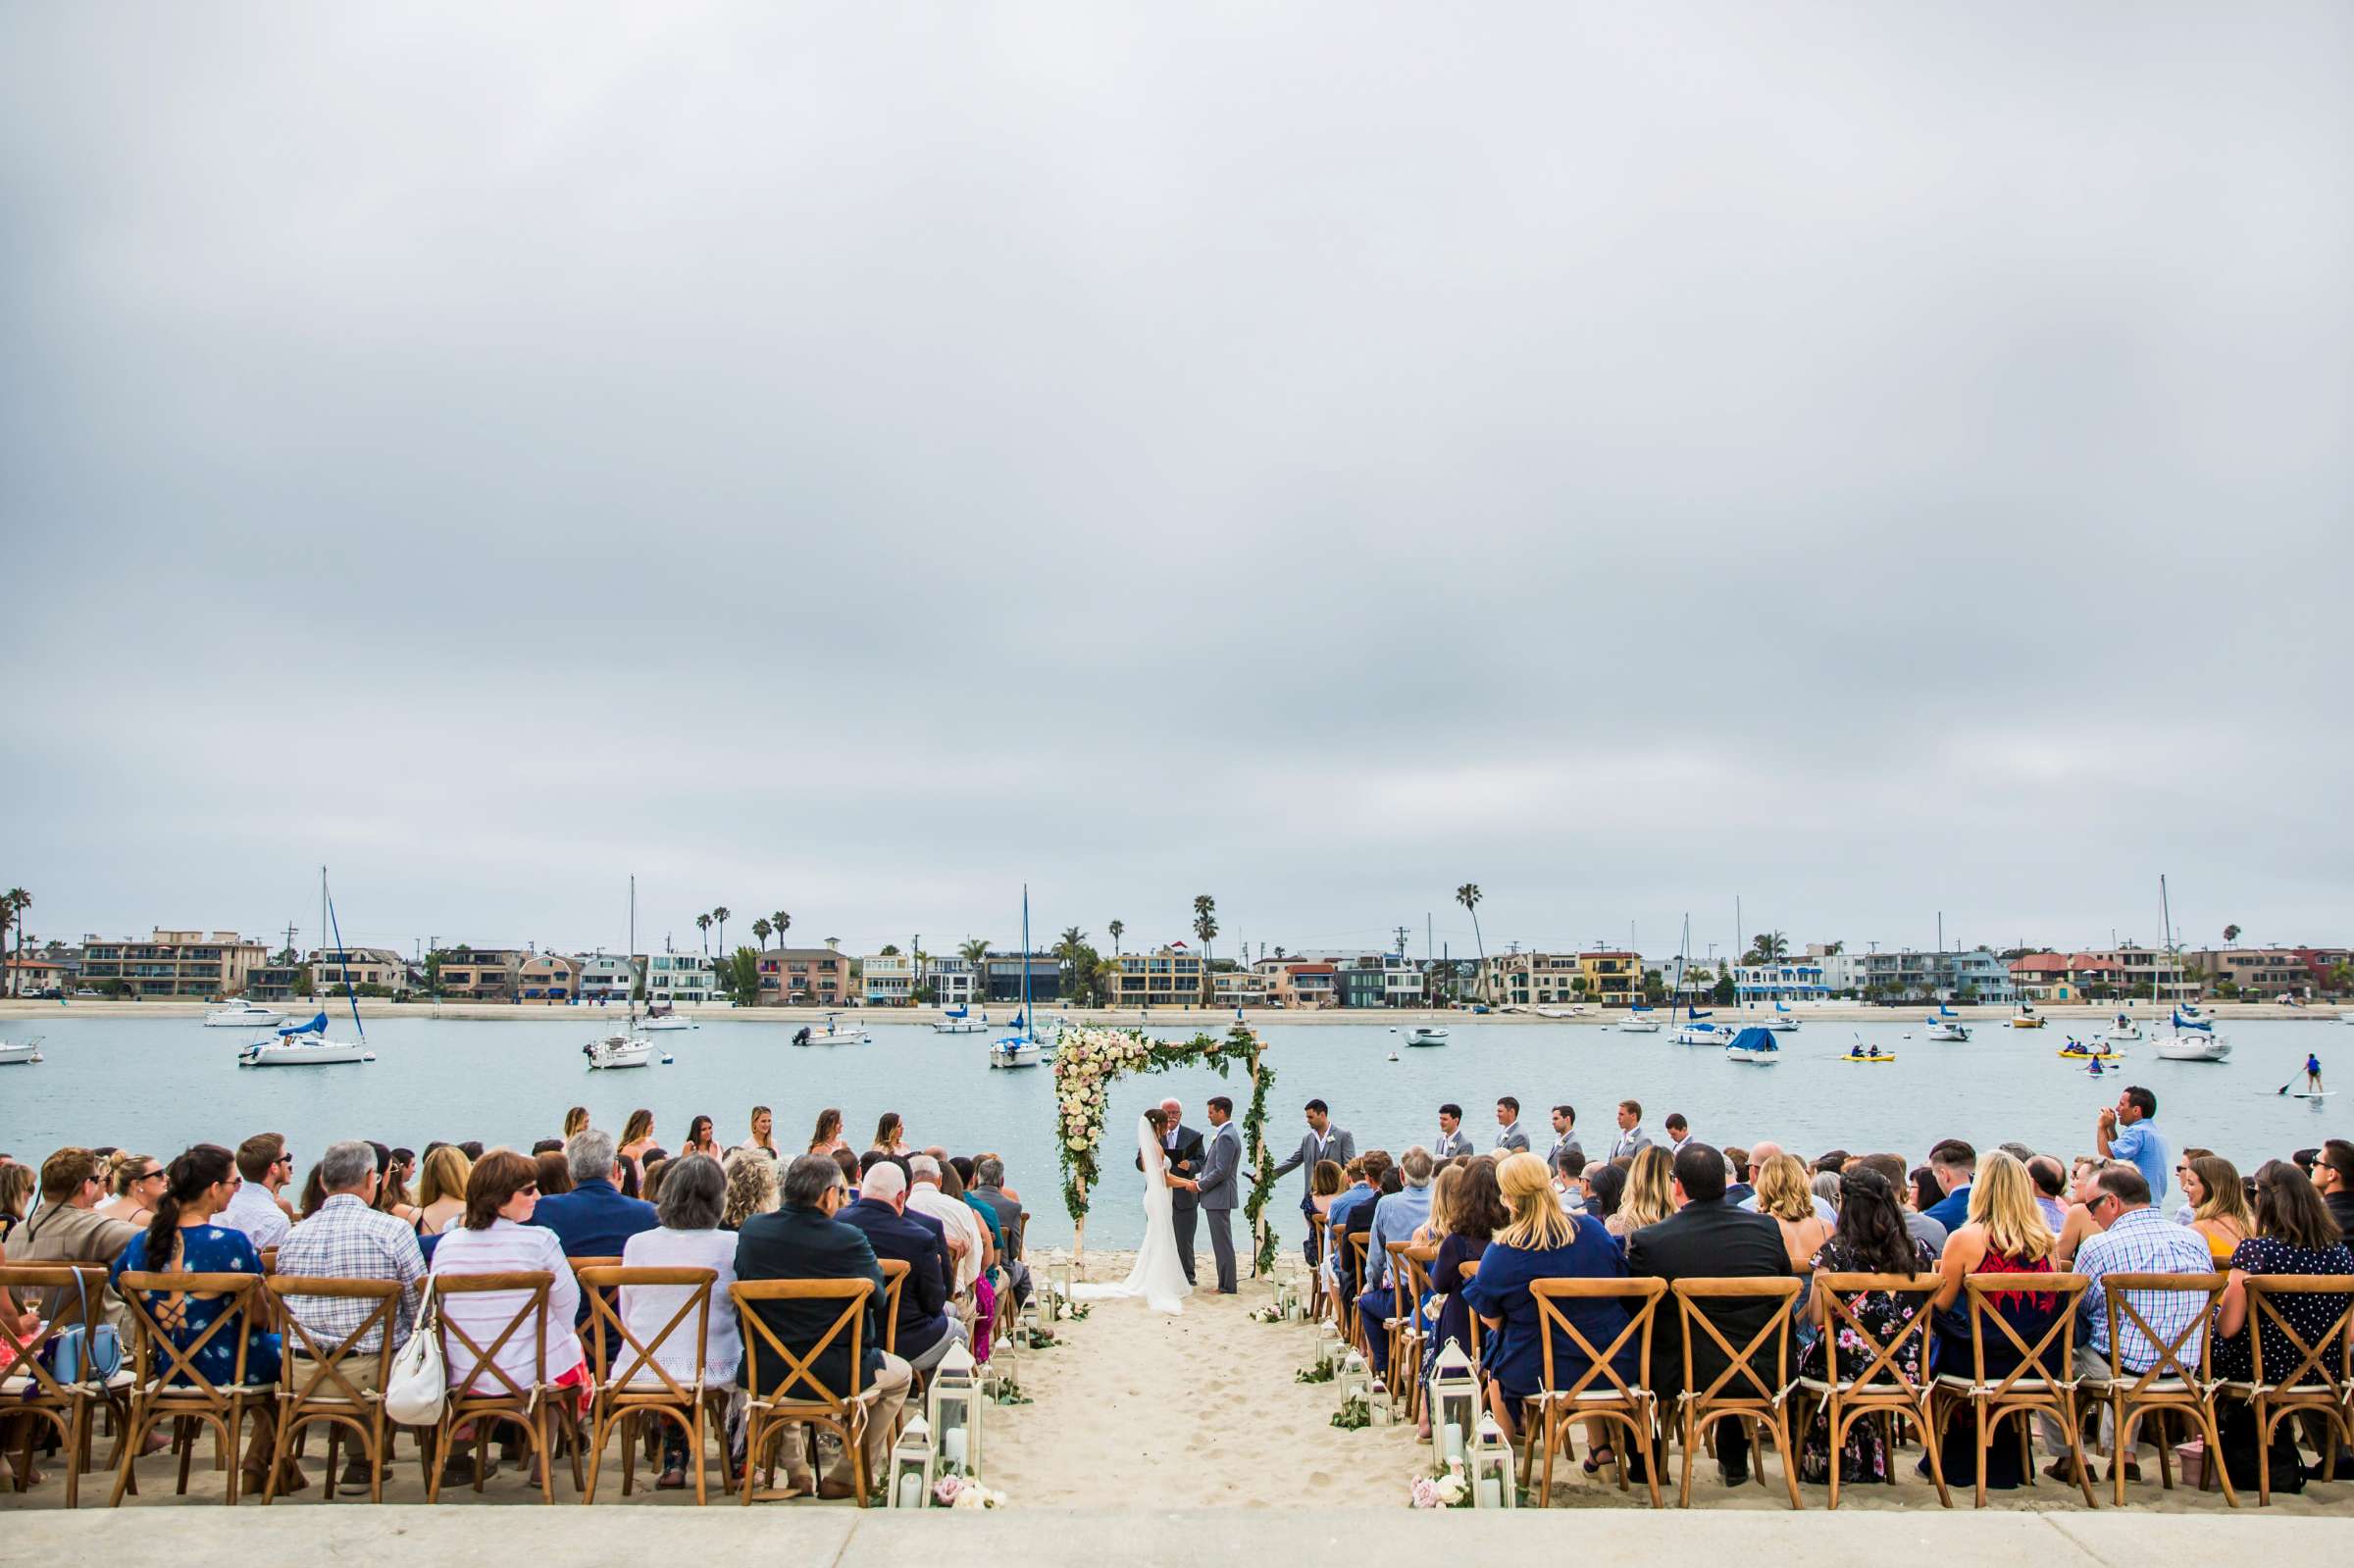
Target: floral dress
(1863, 1455)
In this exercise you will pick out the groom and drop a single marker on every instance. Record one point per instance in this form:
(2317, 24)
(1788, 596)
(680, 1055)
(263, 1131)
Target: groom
(1183, 1145)
(1218, 1187)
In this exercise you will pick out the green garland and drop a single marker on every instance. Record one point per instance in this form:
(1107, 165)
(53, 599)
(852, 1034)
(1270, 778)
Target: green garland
(1088, 1060)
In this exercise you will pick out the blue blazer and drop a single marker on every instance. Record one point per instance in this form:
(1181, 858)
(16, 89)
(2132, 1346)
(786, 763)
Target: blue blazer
(593, 1221)
(924, 1298)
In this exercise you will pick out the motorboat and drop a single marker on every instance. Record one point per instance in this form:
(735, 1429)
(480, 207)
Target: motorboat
(1757, 1047)
(2193, 1040)
(1948, 1029)
(2125, 1028)
(1426, 1035)
(1573, 1010)
(22, 1053)
(833, 1034)
(243, 1014)
(292, 1047)
(1783, 1021)
(619, 1051)
(663, 1023)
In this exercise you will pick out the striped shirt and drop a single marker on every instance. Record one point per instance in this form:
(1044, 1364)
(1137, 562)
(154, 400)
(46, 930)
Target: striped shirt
(508, 1248)
(346, 1240)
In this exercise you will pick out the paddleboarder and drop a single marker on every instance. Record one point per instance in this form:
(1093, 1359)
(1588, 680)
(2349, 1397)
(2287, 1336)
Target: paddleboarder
(2313, 1074)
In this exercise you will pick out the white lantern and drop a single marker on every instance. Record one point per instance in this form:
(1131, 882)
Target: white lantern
(1357, 1379)
(911, 1467)
(1329, 1345)
(1453, 1402)
(1060, 1272)
(953, 1405)
(1493, 1484)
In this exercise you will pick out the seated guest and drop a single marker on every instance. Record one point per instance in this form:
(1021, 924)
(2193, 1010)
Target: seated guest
(2294, 1234)
(1604, 1192)
(135, 1182)
(182, 1239)
(68, 1226)
(442, 1189)
(1951, 1163)
(694, 1192)
(1650, 1194)
(752, 1187)
(1871, 1239)
(1443, 1182)
(1475, 1212)
(2004, 1232)
(966, 1242)
(2051, 1190)
(1341, 1219)
(1787, 1196)
(1918, 1225)
(350, 1238)
(2333, 1169)
(555, 1176)
(16, 1197)
(1541, 1242)
(1766, 1153)
(497, 1236)
(594, 1220)
(1393, 1218)
(1709, 1239)
(805, 1240)
(1569, 1177)
(2219, 1204)
(266, 1164)
(988, 1186)
(926, 1328)
(1927, 1193)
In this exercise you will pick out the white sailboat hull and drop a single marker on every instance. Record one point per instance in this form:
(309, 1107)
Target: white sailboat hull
(663, 1024)
(1954, 1032)
(958, 1026)
(24, 1055)
(2191, 1046)
(1426, 1036)
(1781, 1023)
(1639, 1026)
(1697, 1035)
(1014, 1053)
(1743, 1053)
(2128, 1030)
(616, 1051)
(316, 1053)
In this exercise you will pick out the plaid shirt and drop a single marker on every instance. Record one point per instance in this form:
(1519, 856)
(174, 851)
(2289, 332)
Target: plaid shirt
(2141, 1241)
(346, 1240)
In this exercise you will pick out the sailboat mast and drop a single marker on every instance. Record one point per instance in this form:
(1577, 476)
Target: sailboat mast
(629, 959)
(1029, 1024)
(2165, 913)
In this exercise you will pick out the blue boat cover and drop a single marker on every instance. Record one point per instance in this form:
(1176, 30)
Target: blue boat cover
(1755, 1039)
(2200, 1024)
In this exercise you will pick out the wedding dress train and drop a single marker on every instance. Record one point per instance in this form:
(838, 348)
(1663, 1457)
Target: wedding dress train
(1158, 1277)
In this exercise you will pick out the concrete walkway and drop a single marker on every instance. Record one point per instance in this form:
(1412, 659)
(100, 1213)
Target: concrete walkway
(459, 1537)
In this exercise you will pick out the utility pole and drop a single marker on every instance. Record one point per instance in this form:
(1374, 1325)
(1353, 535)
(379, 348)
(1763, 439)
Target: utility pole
(291, 931)
(1401, 941)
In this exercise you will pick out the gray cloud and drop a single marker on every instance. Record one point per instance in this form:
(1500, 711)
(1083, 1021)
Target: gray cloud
(858, 459)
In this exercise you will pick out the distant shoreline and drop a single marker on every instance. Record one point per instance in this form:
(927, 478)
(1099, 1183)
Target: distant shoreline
(1158, 1020)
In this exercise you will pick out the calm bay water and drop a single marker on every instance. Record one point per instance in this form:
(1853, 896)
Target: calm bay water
(158, 1085)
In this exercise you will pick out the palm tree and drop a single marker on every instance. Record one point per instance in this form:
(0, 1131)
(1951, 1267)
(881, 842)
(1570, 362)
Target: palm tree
(1205, 927)
(1118, 929)
(780, 923)
(1770, 947)
(1468, 895)
(762, 928)
(702, 923)
(719, 917)
(2231, 935)
(12, 905)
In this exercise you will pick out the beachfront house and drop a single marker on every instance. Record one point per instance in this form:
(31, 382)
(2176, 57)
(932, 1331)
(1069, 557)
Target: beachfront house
(547, 977)
(1166, 976)
(673, 978)
(171, 963)
(1614, 976)
(792, 976)
(1787, 980)
(889, 979)
(1001, 975)
(606, 976)
(480, 974)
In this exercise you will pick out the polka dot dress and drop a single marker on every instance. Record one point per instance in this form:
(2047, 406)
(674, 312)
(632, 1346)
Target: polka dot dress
(2311, 1315)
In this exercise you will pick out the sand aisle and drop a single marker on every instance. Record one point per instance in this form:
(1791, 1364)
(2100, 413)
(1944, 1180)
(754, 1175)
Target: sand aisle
(1136, 1410)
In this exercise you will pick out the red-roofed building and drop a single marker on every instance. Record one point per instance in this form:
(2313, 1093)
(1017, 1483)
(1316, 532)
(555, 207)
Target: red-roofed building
(2042, 978)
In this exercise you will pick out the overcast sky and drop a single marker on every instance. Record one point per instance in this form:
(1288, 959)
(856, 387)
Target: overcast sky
(854, 459)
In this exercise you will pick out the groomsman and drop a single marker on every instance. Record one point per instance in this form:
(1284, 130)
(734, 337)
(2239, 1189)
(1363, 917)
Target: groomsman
(1632, 1139)
(1324, 1141)
(1453, 1141)
(1565, 1135)
(1509, 1140)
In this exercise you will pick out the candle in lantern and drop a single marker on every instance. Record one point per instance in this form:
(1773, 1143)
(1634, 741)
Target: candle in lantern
(911, 1492)
(951, 1446)
(1491, 1493)
(1452, 1444)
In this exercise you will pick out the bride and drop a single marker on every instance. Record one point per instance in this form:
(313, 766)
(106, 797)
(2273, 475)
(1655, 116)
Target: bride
(1158, 1277)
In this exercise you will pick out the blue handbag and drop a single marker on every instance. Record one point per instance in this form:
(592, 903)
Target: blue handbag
(80, 1354)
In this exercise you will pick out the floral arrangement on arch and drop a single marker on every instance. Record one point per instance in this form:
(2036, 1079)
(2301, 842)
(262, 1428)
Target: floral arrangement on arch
(1088, 1060)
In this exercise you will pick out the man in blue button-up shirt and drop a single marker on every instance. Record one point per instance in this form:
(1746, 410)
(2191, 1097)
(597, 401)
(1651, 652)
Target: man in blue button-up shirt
(1395, 1217)
(2129, 1131)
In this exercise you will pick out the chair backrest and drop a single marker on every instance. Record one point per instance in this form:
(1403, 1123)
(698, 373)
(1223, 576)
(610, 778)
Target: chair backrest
(1408, 1280)
(1640, 1297)
(1772, 1335)
(328, 1360)
(2175, 1356)
(894, 1281)
(17, 1281)
(530, 1317)
(1359, 1245)
(238, 1293)
(760, 1340)
(600, 1285)
(1835, 1298)
(2266, 1298)
(2051, 1358)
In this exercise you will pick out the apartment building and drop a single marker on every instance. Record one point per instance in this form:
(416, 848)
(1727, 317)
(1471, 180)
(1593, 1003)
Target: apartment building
(791, 976)
(1786, 980)
(1166, 976)
(889, 979)
(1001, 975)
(954, 981)
(1531, 979)
(2259, 972)
(481, 974)
(1968, 975)
(173, 963)
(1305, 986)
(1240, 988)
(674, 979)
(1614, 976)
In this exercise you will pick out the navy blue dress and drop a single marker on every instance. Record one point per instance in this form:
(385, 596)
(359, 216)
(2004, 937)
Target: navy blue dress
(1513, 1354)
(204, 1249)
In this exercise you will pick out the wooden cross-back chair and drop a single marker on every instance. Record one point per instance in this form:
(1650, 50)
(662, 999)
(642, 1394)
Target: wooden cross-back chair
(2177, 1380)
(2305, 1384)
(1743, 1390)
(1600, 1394)
(1359, 1245)
(525, 1406)
(769, 1403)
(1881, 1388)
(1409, 1283)
(176, 1389)
(2043, 1381)
(334, 1385)
(631, 1379)
(27, 1388)
(895, 1281)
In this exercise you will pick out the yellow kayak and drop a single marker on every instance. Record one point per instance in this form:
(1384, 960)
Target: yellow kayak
(1868, 1061)
(2088, 1056)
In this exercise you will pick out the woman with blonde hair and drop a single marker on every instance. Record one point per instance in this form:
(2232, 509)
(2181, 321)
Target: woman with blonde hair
(442, 1189)
(136, 1181)
(751, 1189)
(827, 1137)
(2005, 1233)
(1542, 1241)
(576, 1120)
(1786, 1196)
(1650, 1194)
(1433, 1231)
(2219, 1204)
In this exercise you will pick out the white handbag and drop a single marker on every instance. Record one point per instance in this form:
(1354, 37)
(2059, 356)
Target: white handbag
(413, 1394)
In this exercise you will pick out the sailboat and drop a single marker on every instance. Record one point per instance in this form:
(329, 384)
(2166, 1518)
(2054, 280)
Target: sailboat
(1020, 1048)
(1783, 1021)
(2192, 1037)
(1757, 1047)
(2026, 1017)
(959, 1021)
(1693, 1030)
(2124, 1028)
(1641, 1019)
(293, 1045)
(633, 1049)
(22, 1053)
(1946, 1024)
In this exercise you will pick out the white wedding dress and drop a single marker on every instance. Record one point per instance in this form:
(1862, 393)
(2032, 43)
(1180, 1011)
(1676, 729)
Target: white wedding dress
(1158, 1278)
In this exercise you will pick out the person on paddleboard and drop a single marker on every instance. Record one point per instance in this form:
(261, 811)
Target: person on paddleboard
(2313, 1074)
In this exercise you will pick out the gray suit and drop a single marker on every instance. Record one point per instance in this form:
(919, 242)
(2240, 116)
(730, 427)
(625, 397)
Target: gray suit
(1339, 1146)
(1451, 1144)
(1220, 1195)
(1511, 1138)
(1568, 1141)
